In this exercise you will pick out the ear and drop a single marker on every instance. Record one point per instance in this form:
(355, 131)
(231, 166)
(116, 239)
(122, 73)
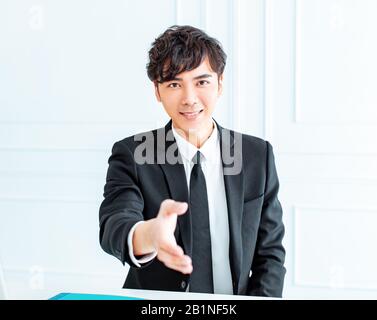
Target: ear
(156, 91)
(220, 83)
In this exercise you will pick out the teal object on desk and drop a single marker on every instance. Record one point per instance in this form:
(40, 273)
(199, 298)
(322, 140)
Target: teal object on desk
(86, 296)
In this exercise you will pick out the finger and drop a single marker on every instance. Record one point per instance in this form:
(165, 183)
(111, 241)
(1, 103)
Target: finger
(179, 264)
(174, 262)
(184, 270)
(183, 260)
(172, 249)
(170, 206)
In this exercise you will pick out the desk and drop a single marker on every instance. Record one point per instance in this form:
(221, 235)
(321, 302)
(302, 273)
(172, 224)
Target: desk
(137, 294)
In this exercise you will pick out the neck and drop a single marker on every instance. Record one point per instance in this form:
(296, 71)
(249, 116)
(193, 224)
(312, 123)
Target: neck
(197, 137)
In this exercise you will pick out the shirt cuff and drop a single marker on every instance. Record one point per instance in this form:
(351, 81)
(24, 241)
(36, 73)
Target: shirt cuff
(146, 258)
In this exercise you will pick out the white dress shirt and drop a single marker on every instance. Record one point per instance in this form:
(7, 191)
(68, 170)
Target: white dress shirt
(218, 211)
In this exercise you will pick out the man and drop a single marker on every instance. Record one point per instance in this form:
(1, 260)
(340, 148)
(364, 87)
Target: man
(193, 206)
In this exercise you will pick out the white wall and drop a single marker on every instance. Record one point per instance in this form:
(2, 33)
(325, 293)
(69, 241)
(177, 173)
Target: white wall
(73, 81)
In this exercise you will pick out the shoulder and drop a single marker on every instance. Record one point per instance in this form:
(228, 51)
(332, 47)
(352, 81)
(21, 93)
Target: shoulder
(254, 147)
(253, 141)
(250, 145)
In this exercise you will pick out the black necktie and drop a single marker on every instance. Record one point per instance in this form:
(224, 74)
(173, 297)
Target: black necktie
(201, 279)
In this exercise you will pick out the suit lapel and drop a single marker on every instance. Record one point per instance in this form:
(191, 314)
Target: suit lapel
(176, 180)
(234, 195)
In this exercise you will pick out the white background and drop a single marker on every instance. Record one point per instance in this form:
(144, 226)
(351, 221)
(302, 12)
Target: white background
(300, 74)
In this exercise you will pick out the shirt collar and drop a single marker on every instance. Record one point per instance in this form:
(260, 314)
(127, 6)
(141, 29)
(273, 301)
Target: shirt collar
(208, 149)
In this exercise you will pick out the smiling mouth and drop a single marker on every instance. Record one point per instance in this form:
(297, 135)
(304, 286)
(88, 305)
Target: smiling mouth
(191, 113)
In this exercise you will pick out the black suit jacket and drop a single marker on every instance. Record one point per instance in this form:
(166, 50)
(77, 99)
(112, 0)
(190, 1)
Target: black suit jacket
(134, 192)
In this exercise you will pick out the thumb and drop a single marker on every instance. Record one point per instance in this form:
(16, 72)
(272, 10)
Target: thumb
(169, 207)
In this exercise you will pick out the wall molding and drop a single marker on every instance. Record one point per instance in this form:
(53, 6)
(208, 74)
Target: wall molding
(177, 12)
(53, 149)
(268, 90)
(204, 9)
(332, 181)
(53, 174)
(297, 210)
(235, 17)
(60, 272)
(65, 200)
(297, 106)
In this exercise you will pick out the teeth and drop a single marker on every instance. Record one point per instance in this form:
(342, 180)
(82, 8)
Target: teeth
(190, 113)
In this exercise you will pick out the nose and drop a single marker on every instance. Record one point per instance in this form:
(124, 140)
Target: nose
(189, 96)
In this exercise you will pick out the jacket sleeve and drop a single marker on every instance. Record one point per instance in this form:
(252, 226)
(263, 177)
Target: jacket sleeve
(123, 203)
(267, 269)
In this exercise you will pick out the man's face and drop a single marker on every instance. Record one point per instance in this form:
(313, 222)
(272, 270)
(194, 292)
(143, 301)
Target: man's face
(190, 98)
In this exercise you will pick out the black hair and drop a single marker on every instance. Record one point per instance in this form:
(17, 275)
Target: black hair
(183, 48)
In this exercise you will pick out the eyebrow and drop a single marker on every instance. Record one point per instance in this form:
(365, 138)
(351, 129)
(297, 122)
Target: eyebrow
(202, 76)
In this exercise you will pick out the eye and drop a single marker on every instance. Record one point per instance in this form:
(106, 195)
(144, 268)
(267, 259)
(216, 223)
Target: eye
(203, 82)
(173, 85)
